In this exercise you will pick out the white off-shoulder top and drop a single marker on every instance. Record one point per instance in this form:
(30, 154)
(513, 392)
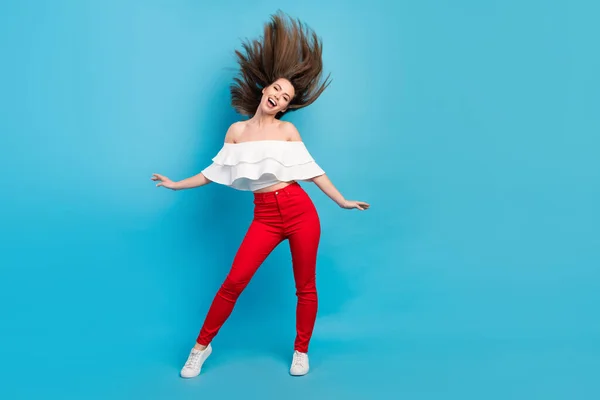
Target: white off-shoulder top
(257, 164)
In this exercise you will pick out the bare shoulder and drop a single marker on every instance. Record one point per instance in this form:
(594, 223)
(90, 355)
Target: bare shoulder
(234, 132)
(290, 132)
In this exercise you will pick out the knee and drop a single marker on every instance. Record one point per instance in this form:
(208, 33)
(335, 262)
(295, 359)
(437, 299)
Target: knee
(232, 288)
(307, 290)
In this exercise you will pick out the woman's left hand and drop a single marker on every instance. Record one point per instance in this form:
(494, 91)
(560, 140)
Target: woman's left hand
(349, 204)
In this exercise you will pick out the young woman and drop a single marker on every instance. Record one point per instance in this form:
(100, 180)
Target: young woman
(279, 73)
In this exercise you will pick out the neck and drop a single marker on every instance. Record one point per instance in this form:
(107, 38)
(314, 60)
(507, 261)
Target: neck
(260, 118)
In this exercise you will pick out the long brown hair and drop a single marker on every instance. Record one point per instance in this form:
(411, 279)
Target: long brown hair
(288, 49)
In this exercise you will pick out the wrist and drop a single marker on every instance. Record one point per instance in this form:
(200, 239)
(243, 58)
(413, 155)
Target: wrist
(341, 203)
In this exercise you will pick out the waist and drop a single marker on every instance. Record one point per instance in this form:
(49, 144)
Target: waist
(268, 185)
(290, 189)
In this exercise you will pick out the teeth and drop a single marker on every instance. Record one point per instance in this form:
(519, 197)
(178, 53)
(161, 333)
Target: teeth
(272, 102)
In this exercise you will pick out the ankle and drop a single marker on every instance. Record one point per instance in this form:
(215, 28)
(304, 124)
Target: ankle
(199, 346)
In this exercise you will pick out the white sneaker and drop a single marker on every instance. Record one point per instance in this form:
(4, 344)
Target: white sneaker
(299, 364)
(193, 365)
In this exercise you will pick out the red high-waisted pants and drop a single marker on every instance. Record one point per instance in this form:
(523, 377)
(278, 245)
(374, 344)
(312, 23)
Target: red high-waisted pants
(287, 213)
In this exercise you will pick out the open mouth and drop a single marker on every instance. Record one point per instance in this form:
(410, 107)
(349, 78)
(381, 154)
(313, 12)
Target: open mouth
(272, 103)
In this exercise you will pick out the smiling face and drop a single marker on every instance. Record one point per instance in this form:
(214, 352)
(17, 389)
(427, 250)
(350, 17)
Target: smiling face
(277, 96)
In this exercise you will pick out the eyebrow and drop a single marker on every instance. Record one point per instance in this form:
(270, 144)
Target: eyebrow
(283, 92)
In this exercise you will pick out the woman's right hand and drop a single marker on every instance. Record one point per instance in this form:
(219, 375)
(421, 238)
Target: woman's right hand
(164, 181)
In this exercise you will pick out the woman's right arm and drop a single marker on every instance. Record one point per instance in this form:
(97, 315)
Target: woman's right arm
(199, 179)
(188, 183)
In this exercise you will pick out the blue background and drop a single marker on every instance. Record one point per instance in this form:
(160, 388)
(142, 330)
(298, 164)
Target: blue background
(471, 127)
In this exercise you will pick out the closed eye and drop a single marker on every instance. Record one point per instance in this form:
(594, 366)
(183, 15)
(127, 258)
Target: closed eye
(285, 95)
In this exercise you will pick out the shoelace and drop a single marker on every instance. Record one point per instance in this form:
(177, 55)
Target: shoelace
(299, 358)
(193, 360)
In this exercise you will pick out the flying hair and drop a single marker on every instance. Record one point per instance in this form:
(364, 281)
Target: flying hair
(287, 49)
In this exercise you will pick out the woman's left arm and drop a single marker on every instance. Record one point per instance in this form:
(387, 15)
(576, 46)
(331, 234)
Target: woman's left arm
(324, 183)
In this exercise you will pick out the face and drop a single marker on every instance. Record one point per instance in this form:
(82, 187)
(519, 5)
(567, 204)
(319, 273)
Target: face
(277, 96)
